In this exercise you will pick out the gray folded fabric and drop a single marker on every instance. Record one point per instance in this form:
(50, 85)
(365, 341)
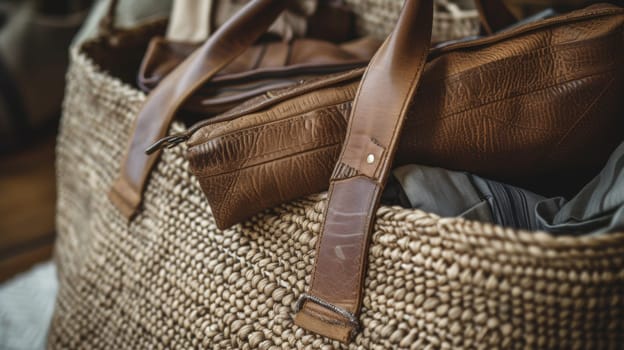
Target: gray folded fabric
(458, 194)
(598, 208)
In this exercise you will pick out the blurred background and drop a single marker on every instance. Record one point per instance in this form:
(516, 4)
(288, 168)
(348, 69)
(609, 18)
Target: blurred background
(34, 40)
(35, 36)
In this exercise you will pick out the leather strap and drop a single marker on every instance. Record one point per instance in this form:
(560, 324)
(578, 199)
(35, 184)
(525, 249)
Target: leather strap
(332, 306)
(159, 110)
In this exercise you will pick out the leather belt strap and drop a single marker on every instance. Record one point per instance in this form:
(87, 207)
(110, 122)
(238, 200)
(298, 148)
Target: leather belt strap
(332, 306)
(158, 112)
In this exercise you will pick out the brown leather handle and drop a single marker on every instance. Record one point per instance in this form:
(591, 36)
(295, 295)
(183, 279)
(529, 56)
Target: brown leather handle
(159, 110)
(332, 306)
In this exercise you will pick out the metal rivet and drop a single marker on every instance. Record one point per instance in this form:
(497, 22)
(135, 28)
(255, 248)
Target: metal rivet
(370, 159)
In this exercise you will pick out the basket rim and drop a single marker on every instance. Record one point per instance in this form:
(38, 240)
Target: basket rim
(468, 227)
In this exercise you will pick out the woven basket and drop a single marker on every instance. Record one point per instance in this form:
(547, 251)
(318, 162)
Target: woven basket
(450, 21)
(171, 280)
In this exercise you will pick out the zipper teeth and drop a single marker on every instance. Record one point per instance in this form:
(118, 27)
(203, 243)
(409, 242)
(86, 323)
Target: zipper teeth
(254, 86)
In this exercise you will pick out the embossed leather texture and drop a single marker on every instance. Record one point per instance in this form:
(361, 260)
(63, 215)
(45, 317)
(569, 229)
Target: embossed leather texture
(526, 106)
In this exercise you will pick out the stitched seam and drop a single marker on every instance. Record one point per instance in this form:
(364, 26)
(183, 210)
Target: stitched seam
(369, 224)
(402, 116)
(362, 254)
(519, 32)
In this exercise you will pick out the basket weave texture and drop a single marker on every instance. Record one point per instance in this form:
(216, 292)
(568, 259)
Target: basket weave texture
(171, 280)
(450, 22)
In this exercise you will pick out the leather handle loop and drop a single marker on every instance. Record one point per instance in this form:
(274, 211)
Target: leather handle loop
(159, 110)
(379, 110)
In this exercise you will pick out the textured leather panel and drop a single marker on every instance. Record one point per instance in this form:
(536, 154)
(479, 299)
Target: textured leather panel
(296, 106)
(252, 189)
(476, 118)
(266, 143)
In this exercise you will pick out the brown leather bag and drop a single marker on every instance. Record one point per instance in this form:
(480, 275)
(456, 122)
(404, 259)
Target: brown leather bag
(508, 106)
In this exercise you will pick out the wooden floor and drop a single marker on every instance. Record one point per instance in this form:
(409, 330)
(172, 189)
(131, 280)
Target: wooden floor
(27, 205)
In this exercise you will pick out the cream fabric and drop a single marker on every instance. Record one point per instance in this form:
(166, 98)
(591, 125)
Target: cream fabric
(190, 20)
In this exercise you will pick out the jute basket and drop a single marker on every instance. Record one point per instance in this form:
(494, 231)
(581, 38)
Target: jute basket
(170, 279)
(450, 21)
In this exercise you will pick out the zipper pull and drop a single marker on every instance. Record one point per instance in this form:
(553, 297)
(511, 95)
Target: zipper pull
(167, 142)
